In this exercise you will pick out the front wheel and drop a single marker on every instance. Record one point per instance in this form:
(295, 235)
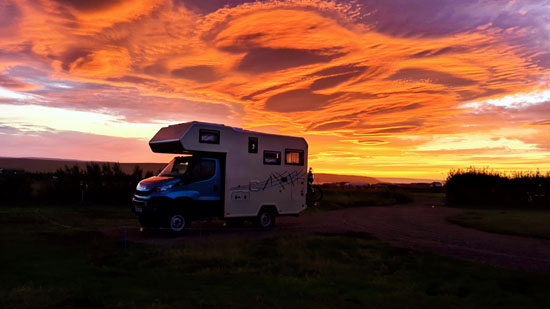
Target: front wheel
(265, 219)
(178, 222)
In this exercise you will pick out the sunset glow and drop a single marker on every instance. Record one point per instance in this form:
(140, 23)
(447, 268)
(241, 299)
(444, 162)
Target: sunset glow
(378, 88)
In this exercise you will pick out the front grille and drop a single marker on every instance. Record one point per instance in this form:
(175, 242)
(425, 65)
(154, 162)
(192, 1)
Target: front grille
(143, 193)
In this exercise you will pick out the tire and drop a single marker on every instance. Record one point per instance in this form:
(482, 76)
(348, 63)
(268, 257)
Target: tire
(178, 222)
(265, 219)
(315, 194)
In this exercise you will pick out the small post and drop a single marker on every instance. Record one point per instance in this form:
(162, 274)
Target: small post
(125, 238)
(81, 192)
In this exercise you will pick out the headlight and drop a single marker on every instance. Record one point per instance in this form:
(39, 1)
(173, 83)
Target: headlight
(163, 188)
(141, 188)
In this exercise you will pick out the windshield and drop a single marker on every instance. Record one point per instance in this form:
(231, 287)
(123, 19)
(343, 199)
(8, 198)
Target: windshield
(177, 167)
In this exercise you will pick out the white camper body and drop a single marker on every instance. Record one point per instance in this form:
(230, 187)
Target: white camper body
(257, 169)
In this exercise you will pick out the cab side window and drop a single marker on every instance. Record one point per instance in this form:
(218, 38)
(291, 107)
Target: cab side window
(204, 169)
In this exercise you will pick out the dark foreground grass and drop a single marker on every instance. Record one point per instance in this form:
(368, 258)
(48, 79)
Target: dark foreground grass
(531, 223)
(48, 266)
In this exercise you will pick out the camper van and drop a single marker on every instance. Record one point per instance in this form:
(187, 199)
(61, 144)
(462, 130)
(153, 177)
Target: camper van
(223, 172)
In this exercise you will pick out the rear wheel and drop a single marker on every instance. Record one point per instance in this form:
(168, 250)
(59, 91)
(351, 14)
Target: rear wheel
(265, 219)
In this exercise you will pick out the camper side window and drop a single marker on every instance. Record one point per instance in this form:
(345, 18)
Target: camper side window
(209, 136)
(272, 157)
(294, 157)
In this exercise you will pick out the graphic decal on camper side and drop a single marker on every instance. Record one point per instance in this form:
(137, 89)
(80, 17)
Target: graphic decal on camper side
(274, 180)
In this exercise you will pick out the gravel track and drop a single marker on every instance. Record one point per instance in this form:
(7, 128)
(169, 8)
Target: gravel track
(420, 225)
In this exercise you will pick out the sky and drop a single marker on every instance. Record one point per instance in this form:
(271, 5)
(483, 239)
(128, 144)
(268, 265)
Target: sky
(393, 88)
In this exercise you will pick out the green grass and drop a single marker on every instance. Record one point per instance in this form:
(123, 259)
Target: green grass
(339, 197)
(75, 216)
(531, 223)
(439, 195)
(46, 265)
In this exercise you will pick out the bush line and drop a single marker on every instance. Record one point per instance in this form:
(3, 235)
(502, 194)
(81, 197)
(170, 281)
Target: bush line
(489, 188)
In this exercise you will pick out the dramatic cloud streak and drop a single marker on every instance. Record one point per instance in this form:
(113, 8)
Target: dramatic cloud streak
(378, 87)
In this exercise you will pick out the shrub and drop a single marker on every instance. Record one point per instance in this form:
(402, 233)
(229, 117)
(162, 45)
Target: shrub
(95, 184)
(489, 188)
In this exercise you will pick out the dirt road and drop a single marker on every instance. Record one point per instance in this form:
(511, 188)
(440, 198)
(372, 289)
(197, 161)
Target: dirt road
(418, 226)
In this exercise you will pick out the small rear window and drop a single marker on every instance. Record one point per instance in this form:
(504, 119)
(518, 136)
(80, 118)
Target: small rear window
(209, 136)
(294, 157)
(253, 145)
(272, 157)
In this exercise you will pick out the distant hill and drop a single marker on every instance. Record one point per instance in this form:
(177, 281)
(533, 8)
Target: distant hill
(39, 165)
(408, 180)
(43, 165)
(332, 178)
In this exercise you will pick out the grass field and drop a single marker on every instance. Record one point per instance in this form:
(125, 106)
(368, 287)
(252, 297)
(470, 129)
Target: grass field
(531, 223)
(56, 257)
(339, 197)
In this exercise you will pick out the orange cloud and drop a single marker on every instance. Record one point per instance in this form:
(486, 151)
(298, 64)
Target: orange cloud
(371, 87)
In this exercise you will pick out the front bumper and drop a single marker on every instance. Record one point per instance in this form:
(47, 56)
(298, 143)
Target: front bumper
(140, 206)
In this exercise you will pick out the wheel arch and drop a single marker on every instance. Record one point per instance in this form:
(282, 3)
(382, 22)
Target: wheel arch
(269, 207)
